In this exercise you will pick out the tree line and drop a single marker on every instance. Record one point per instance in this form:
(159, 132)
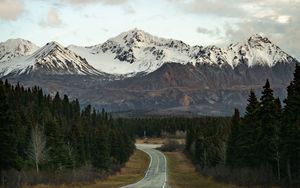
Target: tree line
(52, 134)
(266, 138)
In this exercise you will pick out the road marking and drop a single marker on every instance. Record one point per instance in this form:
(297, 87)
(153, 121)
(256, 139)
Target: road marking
(158, 160)
(165, 171)
(149, 163)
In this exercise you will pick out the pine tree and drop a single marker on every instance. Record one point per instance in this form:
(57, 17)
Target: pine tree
(236, 118)
(232, 153)
(252, 106)
(267, 145)
(249, 131)
(290, 129)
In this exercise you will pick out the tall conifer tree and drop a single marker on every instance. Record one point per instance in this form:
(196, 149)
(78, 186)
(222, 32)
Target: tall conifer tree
(290, 130)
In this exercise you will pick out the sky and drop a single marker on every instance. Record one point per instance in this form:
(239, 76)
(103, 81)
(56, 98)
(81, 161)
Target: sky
(195, 22)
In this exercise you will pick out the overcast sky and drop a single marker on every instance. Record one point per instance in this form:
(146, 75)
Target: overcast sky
(201, 22)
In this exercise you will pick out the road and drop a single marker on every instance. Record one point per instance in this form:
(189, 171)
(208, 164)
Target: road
(156, 175)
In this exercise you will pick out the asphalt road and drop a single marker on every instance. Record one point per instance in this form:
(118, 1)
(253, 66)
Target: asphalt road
(156, 175)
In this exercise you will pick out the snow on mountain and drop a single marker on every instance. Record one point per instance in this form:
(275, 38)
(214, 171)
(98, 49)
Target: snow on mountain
(256, 50)
(133, 52)
(104, 62)
(13, 53)
(50, 59)
(16, 47)
(137, 51)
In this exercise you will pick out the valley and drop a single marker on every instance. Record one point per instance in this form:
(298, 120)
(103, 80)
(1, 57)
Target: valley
(149, 94)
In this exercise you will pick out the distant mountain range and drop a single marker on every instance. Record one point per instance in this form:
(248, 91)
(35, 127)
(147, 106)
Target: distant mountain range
(137, 73)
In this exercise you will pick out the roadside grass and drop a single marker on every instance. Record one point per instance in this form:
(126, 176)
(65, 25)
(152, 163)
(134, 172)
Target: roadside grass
(133, 171)
(182, 173)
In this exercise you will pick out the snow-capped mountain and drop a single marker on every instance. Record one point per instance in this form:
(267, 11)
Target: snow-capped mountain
(55, 58)
(16, 47)
(166, 75)
(136, 51)
(49, 59)
(256, 50)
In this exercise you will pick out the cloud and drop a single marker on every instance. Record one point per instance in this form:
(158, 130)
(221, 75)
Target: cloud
(107, 2)
(10, 9)
(277, 19)
(52, 20)
(129, 9)
(228, 8)
(205, 31)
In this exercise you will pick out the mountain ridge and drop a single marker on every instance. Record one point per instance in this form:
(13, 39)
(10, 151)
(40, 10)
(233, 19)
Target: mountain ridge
(145, 53)
(51, 58)
(135, 51)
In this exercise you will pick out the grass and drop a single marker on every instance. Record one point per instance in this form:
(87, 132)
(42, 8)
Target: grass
(133, 171)
(182, 173)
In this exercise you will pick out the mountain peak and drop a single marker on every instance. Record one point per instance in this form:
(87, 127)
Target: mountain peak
(53, 48)
(16, 47)
(134, 36)
(53, 44)
(19, 44)
(257, 38)
(54, 58)
(15, 40)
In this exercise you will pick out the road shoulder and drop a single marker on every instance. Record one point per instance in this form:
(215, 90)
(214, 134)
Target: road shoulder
(182, 173)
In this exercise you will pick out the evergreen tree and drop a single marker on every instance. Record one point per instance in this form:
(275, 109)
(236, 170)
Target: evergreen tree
(267, 146)
(232, 153)
(290, 129)
(249, 133)
(252, 106)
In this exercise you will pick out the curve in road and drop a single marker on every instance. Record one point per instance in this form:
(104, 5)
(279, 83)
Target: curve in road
(156, 175)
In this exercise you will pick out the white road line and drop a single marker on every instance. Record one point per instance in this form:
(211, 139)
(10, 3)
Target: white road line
(158, 160)
(149, 163)
(165, 171)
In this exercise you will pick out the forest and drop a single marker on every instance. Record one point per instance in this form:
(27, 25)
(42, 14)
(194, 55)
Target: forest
(52, 140)
(260, 148)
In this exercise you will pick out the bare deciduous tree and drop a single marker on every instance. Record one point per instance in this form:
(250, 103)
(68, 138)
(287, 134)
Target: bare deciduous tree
(37, 147)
